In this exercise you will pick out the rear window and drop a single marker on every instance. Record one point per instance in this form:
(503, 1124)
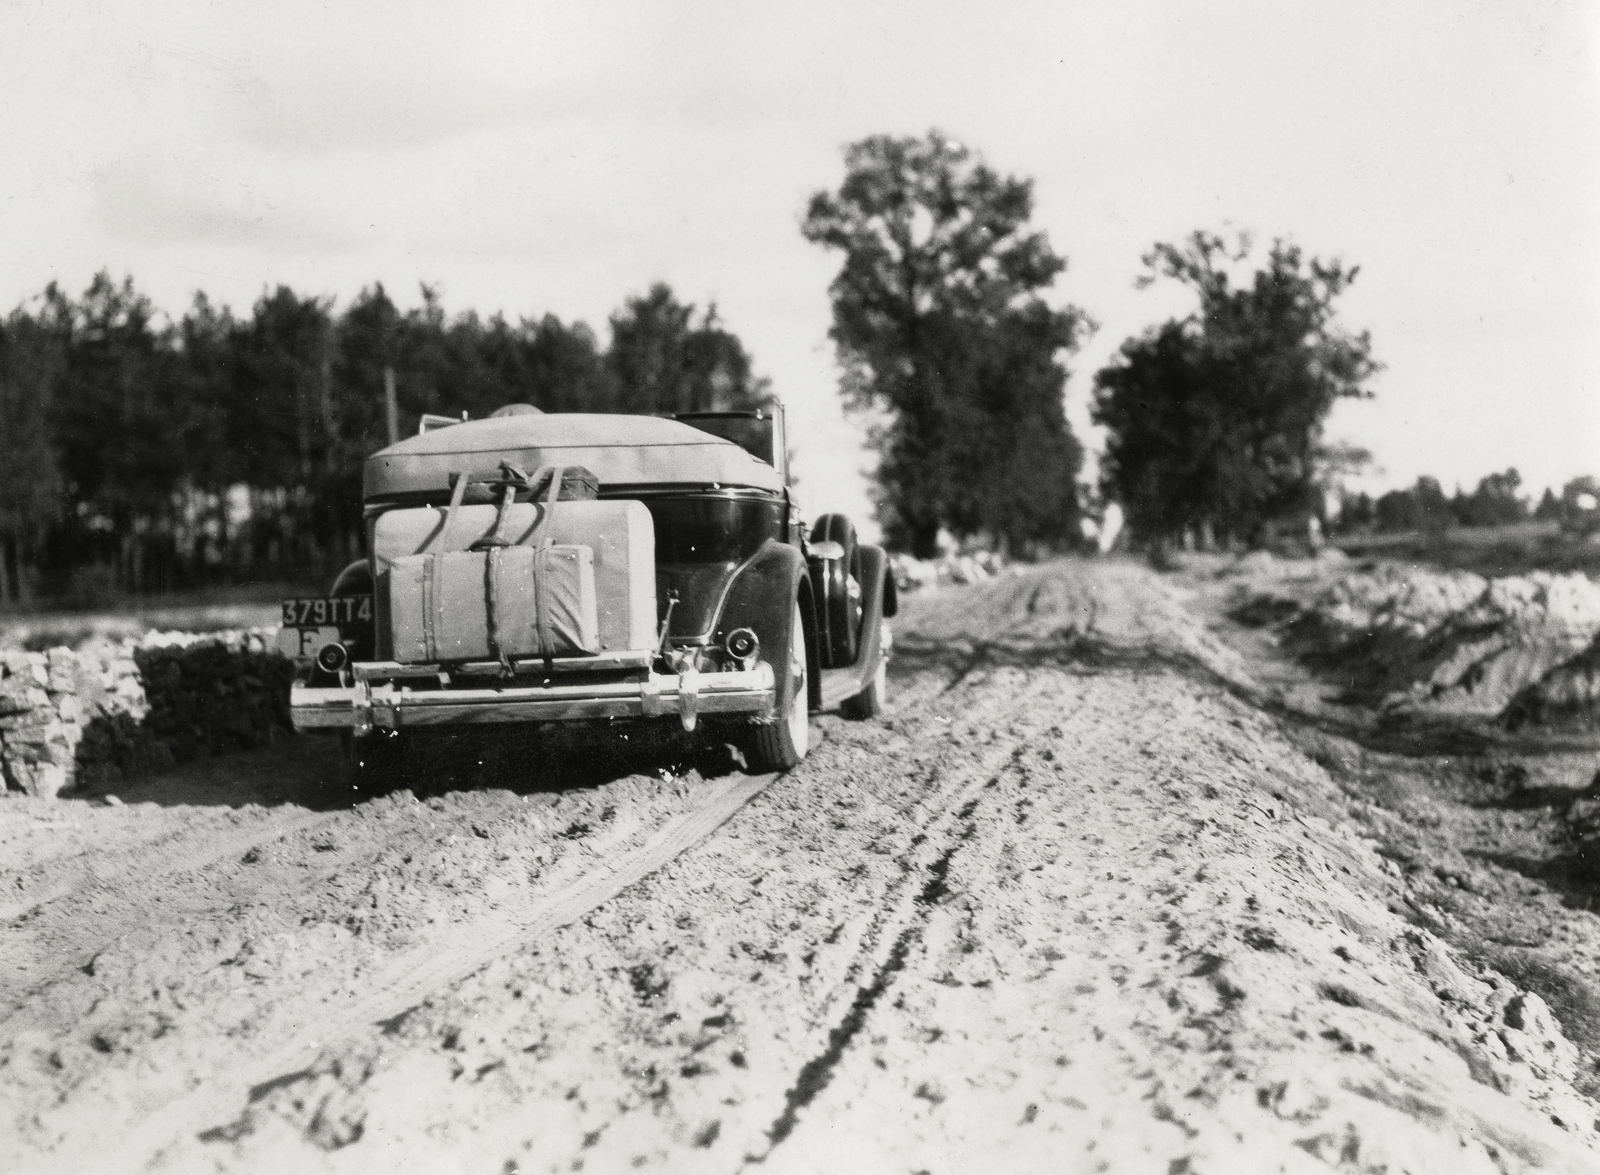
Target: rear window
(752, 434)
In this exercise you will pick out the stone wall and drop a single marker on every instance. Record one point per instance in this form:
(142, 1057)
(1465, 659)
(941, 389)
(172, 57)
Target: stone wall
(137, 707)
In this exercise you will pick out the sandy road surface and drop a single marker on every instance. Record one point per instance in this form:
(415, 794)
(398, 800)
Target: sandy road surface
(1074, 905)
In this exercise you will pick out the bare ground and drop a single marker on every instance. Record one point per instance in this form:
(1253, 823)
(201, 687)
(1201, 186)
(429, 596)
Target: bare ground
(1093, 897)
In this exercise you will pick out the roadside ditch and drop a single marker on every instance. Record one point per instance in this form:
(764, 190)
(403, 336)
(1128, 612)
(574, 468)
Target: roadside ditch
(1458, 715)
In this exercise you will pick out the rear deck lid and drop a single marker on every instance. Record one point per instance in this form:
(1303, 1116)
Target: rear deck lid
(624, 452)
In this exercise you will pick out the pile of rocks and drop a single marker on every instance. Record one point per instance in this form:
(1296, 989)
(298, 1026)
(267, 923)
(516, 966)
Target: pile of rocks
(1524, 647)
(910, 573)
(135, 707)
(213, 694)
(47, 700)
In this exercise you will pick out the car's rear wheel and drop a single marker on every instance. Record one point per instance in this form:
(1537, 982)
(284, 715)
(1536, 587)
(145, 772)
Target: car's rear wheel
(781, 744)
(837, 586)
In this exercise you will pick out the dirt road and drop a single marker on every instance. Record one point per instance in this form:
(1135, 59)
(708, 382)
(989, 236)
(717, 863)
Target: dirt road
(1075, 904)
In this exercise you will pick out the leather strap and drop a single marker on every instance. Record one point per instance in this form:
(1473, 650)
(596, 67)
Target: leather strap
(541, 568)
(432, 605)
(512, 479)
(430, 608)
(491, 587)
(558, 474)
(457, 492)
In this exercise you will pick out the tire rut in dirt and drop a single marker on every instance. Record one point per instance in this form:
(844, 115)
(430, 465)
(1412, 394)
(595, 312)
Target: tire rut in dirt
(904, 921)
(1051, 913)
(906, 825)
(404, 981)
(180, 850)
(60, 942)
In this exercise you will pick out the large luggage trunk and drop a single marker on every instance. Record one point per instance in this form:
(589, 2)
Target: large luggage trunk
(498, 603)
(607, 545)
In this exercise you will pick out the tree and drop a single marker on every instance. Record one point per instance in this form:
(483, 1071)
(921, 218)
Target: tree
(1580, 492)
(1580, 504)
(936, 314)
(1357, 513)
(281, 418)
(1549, 507)
(1422, 507)
(1431, 506)
(1397, 512)
(123, 437)
(139, 454)
(1334, 464)
(1167, 452)
(1215, 420)
(566, 368)
(1011, 418)
(663, 361)
(1493, 503)
(30, 481)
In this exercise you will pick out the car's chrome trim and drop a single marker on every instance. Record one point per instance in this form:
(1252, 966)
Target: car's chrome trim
(381, 503)
(365, 705)
(596, 663)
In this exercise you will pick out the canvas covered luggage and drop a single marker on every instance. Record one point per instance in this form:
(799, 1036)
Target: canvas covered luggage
(498, 599)
(612, 549)
(495, 604)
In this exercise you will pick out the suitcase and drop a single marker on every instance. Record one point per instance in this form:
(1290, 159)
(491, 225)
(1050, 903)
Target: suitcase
(619, 534)
(501, 598)
(495, 604)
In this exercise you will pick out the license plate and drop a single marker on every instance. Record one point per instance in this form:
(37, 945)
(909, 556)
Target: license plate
(323, 611)
(309, 622)
(306, 642)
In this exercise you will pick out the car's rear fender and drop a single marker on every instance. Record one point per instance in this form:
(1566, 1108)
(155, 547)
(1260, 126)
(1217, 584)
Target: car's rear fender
(760, 598)
(876, 588)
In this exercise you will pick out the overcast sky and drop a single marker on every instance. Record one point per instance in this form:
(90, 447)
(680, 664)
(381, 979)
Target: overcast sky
(532, 158)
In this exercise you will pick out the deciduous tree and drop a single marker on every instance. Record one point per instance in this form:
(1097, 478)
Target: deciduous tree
(939, 324)
(663, 360)
(1215, 420)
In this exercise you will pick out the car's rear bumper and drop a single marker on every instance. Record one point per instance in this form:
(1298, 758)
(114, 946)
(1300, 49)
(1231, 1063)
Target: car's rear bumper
(392, 703)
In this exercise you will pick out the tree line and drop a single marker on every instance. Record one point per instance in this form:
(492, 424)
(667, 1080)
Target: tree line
(1424, 506)
(1215, 420)
(141, 454)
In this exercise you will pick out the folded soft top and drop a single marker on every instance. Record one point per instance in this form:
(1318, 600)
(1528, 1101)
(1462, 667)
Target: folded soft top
(622, 452)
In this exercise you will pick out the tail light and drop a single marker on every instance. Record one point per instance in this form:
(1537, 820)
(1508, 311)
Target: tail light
(332, 657)
(743, 645)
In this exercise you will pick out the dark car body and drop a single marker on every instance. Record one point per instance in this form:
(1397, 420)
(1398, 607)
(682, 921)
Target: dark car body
(758, 619)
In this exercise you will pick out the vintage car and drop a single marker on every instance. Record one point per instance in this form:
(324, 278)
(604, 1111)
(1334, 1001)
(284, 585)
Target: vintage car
(596, 569)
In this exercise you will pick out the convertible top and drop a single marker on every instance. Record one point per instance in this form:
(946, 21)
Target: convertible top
(623, 452)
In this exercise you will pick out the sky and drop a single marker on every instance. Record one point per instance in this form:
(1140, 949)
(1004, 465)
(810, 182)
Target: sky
(536, 159)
